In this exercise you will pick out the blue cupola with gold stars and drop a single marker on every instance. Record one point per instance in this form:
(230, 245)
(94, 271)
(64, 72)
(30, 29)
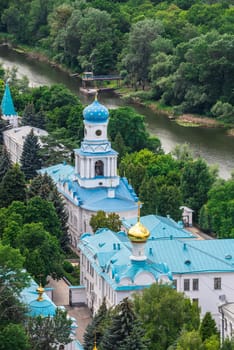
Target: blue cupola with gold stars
(96, 112)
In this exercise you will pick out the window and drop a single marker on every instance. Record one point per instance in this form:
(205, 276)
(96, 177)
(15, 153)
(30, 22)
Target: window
(99, 168)
(195, 283)
(217, 283)
(186, 284)
(174, 283)
(98, 132)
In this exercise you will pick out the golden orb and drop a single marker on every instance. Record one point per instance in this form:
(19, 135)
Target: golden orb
(138, 233)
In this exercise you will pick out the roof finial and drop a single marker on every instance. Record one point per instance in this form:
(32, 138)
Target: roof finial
(95, 343)
(96, 95)
(139, 203)
(40, 291)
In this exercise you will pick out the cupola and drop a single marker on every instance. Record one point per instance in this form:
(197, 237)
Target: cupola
(96, 112)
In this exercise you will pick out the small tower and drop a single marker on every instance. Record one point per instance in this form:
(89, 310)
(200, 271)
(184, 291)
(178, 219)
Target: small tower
(95, 160)
(138, 235)
(8, 110)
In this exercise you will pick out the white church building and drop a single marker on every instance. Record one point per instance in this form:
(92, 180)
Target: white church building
(93, 183)
(116, 264)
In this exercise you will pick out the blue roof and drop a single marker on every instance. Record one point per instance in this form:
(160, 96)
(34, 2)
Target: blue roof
(29, 295)
(96, 113)
(92, 199)
(160, 227)
(7, 105)
(110, 254)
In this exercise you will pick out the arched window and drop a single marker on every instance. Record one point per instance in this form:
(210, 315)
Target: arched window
(99, 168)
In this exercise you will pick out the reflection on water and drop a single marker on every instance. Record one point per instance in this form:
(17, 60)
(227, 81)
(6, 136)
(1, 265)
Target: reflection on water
(212, 144)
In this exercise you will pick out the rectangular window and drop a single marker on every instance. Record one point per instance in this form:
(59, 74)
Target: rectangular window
(186, 284)
(217, 283)
(195, 284)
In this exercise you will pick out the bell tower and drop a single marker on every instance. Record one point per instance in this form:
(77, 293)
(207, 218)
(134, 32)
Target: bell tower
(95, 160)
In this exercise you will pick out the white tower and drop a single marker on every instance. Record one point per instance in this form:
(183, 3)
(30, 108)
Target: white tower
(96, 161)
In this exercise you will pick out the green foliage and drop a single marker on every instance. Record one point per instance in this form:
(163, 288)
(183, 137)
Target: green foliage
(208, 327)
(212, 343)
(12, 187)
(219, 210)
(13, 336)
(189, 341)
(5, 162)
(95, 330)
(196, 181)
(46, 333)
(163, 306)
(120, 327)
(131, 127)
(30, 158)
(101, 219)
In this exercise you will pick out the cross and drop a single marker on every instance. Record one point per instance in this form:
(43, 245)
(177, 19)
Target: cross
(139, 203)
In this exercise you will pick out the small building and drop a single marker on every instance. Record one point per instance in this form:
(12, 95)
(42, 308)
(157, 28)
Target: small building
(14, 140)
(187, 216)
(40, 304)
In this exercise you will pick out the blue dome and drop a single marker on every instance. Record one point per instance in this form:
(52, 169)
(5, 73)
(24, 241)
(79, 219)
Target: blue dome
(96, 113)
(43, 308)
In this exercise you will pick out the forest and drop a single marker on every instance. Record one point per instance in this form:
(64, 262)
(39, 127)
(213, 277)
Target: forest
(177, 52)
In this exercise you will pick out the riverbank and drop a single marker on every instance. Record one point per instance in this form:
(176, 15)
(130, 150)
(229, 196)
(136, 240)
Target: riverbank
(186, 120)
(141, 98)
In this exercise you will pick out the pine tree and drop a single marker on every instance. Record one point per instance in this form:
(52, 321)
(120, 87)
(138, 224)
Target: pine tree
(96, 328)
(40, 120)
(13, 187)
(43, 186)
(119, 145)
(29, 115)
(5, 162)
(135, 340)
(121, 326)
(208, 327)
(30, 161)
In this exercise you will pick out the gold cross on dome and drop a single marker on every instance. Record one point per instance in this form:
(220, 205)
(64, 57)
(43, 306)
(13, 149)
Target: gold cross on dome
(139, 203)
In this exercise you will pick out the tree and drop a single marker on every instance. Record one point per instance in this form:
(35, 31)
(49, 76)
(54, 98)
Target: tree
(189, 341)
(5, 162)
(101, 219)
(30, 161)
(47, 333)
(212, 343)
(12, 280)
(149, 194)
(12, 187)
(41, 210)
(43, 186)
(135, 340)
(120, 327)
(41, 250)
(218, 212)
(139, 50)
(96, 328)
(196, 181)
(13, 336)
(208, 327)
(29, 115)
(163, 306)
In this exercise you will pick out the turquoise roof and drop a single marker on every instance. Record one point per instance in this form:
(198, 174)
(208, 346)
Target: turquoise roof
(7, 105)
(92, 199)
(109, 253)
(29, 295)
(160, 227)
(95, 113)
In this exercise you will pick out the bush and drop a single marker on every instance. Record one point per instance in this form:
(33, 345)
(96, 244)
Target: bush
(68, 267)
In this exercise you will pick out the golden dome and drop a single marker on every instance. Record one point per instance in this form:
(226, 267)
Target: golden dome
(138, 233)
(40, 291)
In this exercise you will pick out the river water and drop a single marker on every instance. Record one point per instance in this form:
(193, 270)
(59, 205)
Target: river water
(211, 144)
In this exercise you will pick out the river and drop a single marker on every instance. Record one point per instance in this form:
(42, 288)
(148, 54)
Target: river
(212, 144)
